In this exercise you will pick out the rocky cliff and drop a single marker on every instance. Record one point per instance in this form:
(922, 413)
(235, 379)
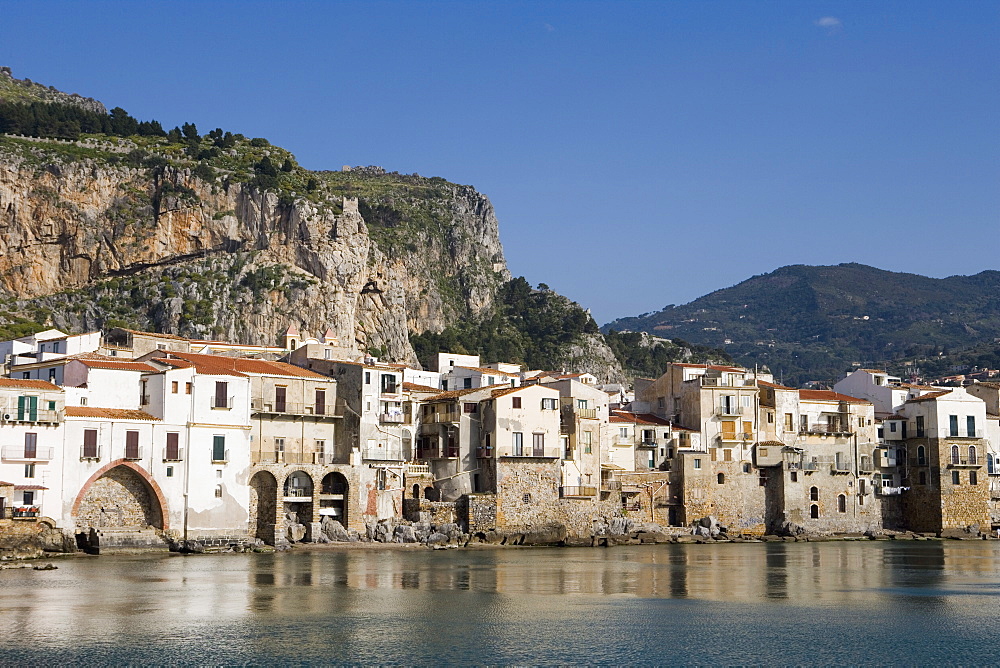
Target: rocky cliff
(109, 231)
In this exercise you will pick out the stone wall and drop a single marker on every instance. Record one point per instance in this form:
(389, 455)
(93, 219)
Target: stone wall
(119, 499)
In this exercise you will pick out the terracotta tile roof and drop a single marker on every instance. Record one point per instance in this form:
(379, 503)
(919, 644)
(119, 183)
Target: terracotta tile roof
(30, 487)
(489, 371)
(764, 383)
(109, 413)
(991, 416)
(25, 384)
(618, 418)
(94, 361)
(894, 416)
(992, 386)
(454, 394)
(917, 387)
(829, 395)
(930, 396)
(221, 364)
(770, 443)
(380, 367)
(6, 484)
(506, 389)
(642, 418)
(417, 387)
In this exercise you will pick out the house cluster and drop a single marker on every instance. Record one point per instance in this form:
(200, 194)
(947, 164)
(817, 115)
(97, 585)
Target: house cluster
(130, 438)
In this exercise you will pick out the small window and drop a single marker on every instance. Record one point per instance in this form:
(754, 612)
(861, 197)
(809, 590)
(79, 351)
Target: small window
(973, 478)
(526, 498)
(841, 503)
(721, 478)
(515, 402)
(956, 478)
(29, 470)
(170, 471)
(814, 511)
(469, 407)
(218, 491)
(793, 476)
(467, 383)
(174, 386)
(52, 375)
(697, 463)
(814, 494)
(770, 418)
(187, 388)
(746, 467)
(368, 377)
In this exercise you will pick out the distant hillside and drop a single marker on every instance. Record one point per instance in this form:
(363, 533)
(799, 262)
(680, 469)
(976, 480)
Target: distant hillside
(811, 323)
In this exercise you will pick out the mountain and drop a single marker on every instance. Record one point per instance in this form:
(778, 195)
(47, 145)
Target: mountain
(813, 322)
(110, 221)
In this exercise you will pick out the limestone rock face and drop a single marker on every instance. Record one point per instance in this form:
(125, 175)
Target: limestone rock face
(89, 242)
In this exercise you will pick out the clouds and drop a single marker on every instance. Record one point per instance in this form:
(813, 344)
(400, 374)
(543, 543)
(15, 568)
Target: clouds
(829, 23)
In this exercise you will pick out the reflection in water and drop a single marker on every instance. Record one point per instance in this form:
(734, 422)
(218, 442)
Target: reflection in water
(839, 601)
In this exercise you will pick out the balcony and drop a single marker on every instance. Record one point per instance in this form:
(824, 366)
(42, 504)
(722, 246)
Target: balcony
(890, 491)
(384, 453)
(484, 453)
(445, 417)
(90, 453)
(976, 433)
(418, 469)
(586, 413)
(20, 453)
(223, 460)
(133, 454)
(840, 467)
(825, 430)
(577, 492)
(282, 457)
(221, 403)
(24, 512)
(728, 411)
(298, 495)
(312, 409)
(392, 418)
(32, 416)
(175, 456)
(611, 485)
(959, 462)
(646, 443)
(811, 465)
(995, 494)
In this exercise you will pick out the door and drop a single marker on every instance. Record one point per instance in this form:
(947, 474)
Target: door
(90, 443)
(27, 409)
(131, 445)
(280, 394)
(30, 446)
(320, 402)
(172, 453)
(538, 445)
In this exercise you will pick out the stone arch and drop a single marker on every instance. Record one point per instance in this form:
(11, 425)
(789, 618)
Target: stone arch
(431, 494)
(297, 508)
(263, 506)
(333, 495)
(121, 494)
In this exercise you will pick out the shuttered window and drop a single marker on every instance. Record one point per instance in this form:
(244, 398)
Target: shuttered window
(90, 443)
(131, 445)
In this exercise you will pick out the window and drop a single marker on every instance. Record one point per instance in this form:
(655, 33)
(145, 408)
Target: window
(920, 426)
(327, 354)
(467, 383)
(814, 494)
(956, 478)
(469, 407)
(721, 478)
(970, 426)
(518, 444)
(90, 444)
(954, 454)
(803, 423)
(727, 455)
(538, 445)
(973, 478)
(279, 446)
(814, 511)
(172, 453)
(923, 477)
(921, 456)
(661, 402)
(52, 375)
(746, 467)
(388, 383)
(28, 498)
(320, 448)
(697, 463)
(131, 445)
(320, 403)
(187, 388)
(549, 404)
(623, 432)
(368, 377)
(30, 445)
(25, 375)
(793, 476)
(861, 422)
(841, 503)
(218, 491)
(972, 455)
(490, 380)
(788, 421)
(770, 417)
(953, 425)
(587, 440)
(526, 498)
(648, 436)
(892, 427)
(170, 471)
(515, 402)
(218, 448)
(990, 464)
(221, 398)
(29, 470)
(861, 487)
(728, 431)
(280, 399)
(567, 451)
(174, 386)
(581, 403)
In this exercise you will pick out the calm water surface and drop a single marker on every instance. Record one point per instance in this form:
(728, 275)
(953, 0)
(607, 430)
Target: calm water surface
(899, 603)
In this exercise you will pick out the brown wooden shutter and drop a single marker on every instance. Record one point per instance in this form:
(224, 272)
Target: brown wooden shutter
(320, 402)
(280, 396)
(131, 445)
(221, 394)
(172, 446)
(729, 430)
(89, 442)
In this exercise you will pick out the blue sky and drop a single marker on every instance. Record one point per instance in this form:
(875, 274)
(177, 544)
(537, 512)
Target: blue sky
(638, 154)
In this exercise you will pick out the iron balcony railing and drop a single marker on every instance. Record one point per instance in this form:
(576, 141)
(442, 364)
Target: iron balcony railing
(215, 457)
(392, 418)
(285, 457)
(20, 453)
(90, 452)
(298, 492)
(133, 454)
(611, 485)
(175, 456)
(383, 453)
(825, 429)
(330, 409)
(24, 512)
(579, 490)
(221, 403)
(964, 461)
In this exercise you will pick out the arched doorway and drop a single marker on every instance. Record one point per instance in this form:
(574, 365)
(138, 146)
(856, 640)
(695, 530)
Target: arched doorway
(333, 497)
(119, 498)
(263, 505)
(298, 505)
